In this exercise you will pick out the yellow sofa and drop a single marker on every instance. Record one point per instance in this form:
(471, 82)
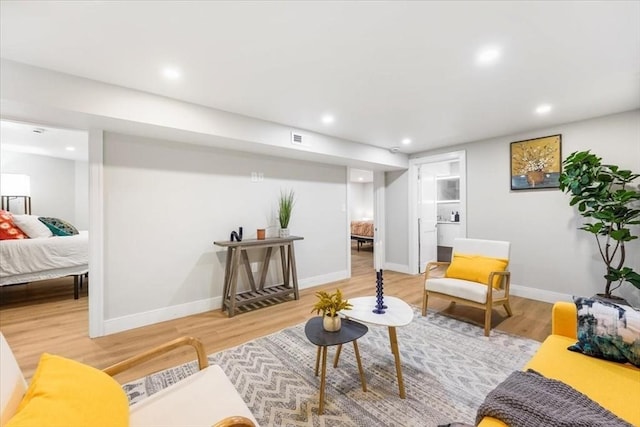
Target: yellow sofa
(614, 386)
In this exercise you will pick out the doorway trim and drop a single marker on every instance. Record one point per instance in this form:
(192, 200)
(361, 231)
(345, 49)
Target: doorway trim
(347, 209)
(378, 212)
(96, 231)
(379, 240)
(414, 166)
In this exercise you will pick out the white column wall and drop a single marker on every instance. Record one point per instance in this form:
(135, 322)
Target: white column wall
(166, 203)
(396, 221)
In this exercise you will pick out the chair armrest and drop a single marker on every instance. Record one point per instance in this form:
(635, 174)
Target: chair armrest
(431, 266)
(564, 319)
(236, 421)
(506, 279)
(158, 351)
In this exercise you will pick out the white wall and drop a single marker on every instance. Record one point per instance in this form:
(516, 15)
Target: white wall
(550, 256)
(53, 185)
(361, 203)
(166, 203)
(36, 94)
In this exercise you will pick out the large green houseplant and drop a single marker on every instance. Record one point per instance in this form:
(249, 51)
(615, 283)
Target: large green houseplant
(605, 196)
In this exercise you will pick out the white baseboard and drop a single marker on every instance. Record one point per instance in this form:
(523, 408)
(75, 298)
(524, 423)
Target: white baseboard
(539, 294)
(400, 268)
(310, 282)
(119, 324)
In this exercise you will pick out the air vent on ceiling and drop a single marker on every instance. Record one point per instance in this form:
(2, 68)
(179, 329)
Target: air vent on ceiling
(296, 138)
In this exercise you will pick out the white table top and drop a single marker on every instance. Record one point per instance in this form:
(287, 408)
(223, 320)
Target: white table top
(398, 313)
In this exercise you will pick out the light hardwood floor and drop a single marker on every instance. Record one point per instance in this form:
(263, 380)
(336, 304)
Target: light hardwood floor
(44, 317)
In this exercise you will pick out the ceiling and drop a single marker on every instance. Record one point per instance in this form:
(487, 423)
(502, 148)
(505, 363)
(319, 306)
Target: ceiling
(44, 140)
(385, 71)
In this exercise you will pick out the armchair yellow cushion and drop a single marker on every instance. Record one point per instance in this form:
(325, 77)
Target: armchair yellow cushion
(66, 393)
(476, 268)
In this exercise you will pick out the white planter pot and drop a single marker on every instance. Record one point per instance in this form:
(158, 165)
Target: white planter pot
(283, 232)
(331, 324)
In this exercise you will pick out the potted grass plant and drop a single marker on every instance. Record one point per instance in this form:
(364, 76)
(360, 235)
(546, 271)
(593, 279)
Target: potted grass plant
(285, 206)
(330, 305)
(605, 196)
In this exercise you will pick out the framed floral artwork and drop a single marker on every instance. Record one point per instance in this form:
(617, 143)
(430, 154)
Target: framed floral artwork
(536, 163)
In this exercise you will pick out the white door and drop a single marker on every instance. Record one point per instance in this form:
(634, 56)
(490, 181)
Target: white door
(427, 217)
(378, 221)
(423, 206)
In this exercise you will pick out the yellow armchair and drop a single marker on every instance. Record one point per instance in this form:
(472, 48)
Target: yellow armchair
(477, 276)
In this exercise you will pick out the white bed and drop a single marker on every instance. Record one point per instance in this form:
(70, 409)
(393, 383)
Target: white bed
(29, 260)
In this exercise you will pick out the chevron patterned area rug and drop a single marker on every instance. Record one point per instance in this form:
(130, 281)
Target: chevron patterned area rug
(449, 367)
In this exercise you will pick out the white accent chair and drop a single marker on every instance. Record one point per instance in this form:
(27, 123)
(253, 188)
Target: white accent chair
(206, 398)
(471, 293)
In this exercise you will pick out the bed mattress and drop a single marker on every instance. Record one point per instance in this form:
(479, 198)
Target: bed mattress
(30, 260)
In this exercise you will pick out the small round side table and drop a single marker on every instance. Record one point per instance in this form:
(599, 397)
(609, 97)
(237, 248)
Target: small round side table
(349, 332)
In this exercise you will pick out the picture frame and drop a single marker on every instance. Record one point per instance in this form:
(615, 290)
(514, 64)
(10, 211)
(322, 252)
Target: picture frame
(536, 163)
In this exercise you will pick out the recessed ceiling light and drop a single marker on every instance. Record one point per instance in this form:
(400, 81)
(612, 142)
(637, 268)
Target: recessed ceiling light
(360, 178)
(171, 73)
(406, 141)
(70, 148)
(488, 56)
(327, 119)
(543, 109)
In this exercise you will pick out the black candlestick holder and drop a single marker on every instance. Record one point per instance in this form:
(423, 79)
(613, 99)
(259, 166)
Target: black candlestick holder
(237, 235)
(379, 294)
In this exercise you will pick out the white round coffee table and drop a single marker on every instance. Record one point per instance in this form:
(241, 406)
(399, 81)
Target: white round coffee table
(397, 313)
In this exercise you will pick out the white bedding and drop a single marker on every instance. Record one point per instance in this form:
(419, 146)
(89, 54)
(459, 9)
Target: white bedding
(28, 260)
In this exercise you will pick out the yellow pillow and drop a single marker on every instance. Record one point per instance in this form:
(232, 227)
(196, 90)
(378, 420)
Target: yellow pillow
(65, 393)
(476, 268)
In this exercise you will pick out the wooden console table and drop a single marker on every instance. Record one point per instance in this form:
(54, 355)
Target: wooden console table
(236, 250)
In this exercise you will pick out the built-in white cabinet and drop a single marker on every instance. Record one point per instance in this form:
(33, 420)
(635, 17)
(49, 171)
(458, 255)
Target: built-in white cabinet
(448, 197)
(448, 188)
(447, 232)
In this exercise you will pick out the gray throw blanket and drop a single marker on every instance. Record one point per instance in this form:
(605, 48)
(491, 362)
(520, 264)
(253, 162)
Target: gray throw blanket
(528, 399)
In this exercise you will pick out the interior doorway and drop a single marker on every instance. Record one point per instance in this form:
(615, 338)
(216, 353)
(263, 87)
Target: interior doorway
(361, 220)
(438, 207)
(54, 165)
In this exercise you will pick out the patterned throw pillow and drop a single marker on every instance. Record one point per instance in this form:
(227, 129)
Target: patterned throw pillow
(8, 230)
(608, 331)
(58, 226)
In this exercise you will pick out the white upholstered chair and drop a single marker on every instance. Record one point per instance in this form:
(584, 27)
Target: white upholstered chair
(206, 398)
(472, 289)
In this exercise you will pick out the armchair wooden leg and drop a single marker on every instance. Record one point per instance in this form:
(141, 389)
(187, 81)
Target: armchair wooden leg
(507, 307)
(425, 300)
(487, 320)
